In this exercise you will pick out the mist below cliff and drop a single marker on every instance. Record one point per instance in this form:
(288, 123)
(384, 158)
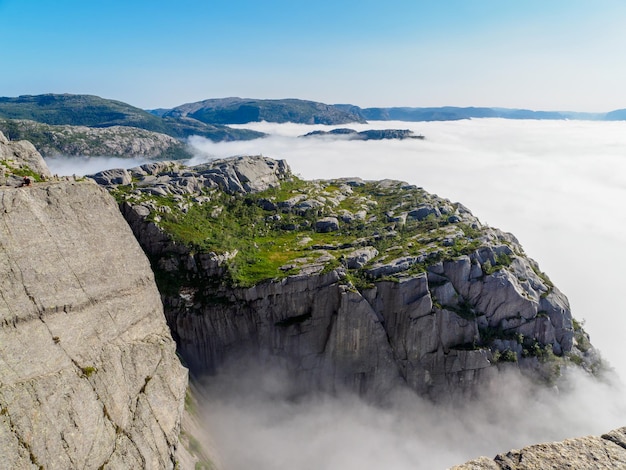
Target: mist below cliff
(256, 422)
(559, 186)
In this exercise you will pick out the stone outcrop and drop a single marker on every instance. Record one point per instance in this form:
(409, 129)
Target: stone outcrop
(18, 159)
(89, 377)
(584, 453)
(440, 306)
(239, 175)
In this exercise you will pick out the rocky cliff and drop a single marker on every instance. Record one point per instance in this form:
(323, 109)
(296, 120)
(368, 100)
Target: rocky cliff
(114, 141)
(89, 377)
(349, 283)
(584, 453)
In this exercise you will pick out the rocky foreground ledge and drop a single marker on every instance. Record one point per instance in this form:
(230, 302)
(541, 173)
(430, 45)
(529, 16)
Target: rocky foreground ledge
(351, 283)
(584, 453)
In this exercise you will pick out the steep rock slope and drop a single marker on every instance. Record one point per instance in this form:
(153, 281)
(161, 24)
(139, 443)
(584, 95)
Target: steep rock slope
(114, 141)
(349, 283)
(88, 372)
(583, 453)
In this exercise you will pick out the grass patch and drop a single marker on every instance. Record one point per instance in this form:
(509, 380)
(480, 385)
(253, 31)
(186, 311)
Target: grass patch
(88, 371)
(502, 261)
(267, 235)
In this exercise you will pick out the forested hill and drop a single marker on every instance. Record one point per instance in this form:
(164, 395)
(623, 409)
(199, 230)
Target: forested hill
(210, 118)
(244, 110)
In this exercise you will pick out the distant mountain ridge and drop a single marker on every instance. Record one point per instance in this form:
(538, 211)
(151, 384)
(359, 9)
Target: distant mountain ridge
(452, 113)
(93, 111)
(56, 123)
(243, 110)
(209, 118)
(113, 141)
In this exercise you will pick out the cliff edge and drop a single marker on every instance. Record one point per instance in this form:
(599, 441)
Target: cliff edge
(89, 377)
(350, 284)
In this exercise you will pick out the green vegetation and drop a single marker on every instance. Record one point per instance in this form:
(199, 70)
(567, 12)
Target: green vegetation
(580, 336)
(241, 111)
(502, 260)
(267, 235)
(190, 403)
(505, 356)
(88, 371)
(195, 449)
(204, 465)
(20, 171)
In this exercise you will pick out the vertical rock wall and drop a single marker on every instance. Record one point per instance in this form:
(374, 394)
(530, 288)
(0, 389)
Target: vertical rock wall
(88, 372)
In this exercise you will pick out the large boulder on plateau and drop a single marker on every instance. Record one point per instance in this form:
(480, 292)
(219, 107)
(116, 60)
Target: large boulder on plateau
(327, 224)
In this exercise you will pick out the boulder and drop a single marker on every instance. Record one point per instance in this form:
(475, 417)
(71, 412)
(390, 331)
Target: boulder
(422, 212)
(358, 258)
(21, 155)
(327, 224)
(112, 177)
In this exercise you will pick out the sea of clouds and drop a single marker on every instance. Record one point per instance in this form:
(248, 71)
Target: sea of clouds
(559, 186)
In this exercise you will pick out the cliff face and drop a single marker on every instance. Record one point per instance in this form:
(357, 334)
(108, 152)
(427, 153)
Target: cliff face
(88, 372)
(353, 284)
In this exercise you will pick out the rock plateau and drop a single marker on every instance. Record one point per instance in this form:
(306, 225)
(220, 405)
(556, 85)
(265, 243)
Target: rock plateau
(352, 284)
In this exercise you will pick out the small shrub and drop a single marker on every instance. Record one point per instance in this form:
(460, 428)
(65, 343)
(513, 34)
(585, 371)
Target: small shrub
(88, 371)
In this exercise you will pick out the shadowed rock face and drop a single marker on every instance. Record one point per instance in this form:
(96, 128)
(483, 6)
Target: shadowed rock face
(407, 288)
(583, 453)
(88, 372)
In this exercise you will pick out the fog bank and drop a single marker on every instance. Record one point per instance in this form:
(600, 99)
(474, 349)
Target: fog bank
(256, 423)
(81, 166)
(559, 186)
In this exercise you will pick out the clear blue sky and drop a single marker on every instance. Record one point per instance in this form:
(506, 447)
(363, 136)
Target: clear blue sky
(538, 54)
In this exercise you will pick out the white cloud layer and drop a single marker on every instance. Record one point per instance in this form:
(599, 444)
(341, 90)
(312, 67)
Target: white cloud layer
(81, 166)
(560, 187)
(255, 423)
